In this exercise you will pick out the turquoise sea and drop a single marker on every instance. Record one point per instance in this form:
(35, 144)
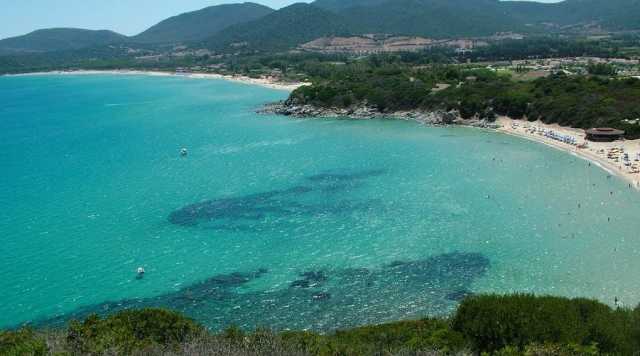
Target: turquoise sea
(272, 221)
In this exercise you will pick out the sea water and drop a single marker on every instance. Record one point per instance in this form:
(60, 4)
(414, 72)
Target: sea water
(280, 222)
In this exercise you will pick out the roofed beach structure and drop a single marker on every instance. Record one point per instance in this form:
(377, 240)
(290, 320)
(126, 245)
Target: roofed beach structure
(604, 134)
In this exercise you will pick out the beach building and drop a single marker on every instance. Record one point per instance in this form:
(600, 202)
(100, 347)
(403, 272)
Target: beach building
(604, 134)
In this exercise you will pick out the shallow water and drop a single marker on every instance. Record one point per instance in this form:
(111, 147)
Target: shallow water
(284, 223)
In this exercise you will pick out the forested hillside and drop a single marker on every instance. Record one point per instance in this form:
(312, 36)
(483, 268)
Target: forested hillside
(608, 14)
(448, 18)
(431, 18)
(58, 39)
(578, 101)
(198, 25)
(280, 30)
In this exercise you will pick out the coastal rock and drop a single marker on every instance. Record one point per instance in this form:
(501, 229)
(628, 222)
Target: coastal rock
(364, 112)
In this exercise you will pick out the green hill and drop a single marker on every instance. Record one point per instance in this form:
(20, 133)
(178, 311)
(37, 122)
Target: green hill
(280, 30)
(610, 14)
(451, 18)
(198, 25)
(58, 39)
(433, 18)
(337, 5)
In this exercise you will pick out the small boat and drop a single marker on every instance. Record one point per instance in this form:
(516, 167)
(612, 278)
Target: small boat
(184, 152)
(140, 272)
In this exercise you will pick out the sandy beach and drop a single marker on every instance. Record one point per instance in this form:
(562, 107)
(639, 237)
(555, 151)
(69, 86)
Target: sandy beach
(265, 82)
(608, 155)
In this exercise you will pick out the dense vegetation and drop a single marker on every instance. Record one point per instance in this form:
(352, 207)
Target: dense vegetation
(198, 25)
(95, 58)
(58, 39)
(447, 18)
(493, 323)
(248, 62)
(553, 47)
(578, 101)
(432, 18)
(503, 325)
(280, 30)
(611, 14)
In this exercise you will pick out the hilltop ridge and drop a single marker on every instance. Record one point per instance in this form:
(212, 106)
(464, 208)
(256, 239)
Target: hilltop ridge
(257, 27)
(198, 25)
(58, 39)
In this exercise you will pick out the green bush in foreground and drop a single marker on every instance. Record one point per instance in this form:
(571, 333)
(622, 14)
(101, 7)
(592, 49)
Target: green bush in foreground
(21, 342)
(499, 325)
(130, 330)
(549, 350)
(494, 322)
(407, 336)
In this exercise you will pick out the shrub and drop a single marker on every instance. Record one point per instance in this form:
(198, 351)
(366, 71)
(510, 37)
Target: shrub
(420, 335)
(494, 322)
(130, 330)
(549, 350)
(23, 342)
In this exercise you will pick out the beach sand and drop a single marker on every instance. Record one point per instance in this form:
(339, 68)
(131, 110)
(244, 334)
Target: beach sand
(592, 153)
(265, 82)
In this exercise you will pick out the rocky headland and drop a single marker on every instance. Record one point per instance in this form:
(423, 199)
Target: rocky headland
(366, 112)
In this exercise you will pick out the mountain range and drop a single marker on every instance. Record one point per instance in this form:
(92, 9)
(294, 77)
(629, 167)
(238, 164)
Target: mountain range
(255, 27)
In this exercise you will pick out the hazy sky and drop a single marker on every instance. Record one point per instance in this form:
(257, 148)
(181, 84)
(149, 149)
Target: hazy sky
(128, 17)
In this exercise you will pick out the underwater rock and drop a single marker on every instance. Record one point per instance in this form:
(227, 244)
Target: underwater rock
(315, 276)
(459, 295)
(395, 264)
(358, 296)
(235, 278)
(248, 207)
(245, 212)
(346, 176)
(321, 296)
(300, 283)
(216, 288)
(310, 279)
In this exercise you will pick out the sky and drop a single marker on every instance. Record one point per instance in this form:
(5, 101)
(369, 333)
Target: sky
(129, 17)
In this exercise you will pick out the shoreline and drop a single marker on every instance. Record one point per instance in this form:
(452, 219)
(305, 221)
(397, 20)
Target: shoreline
(595, 152)
(263, 82)
(605, 155)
